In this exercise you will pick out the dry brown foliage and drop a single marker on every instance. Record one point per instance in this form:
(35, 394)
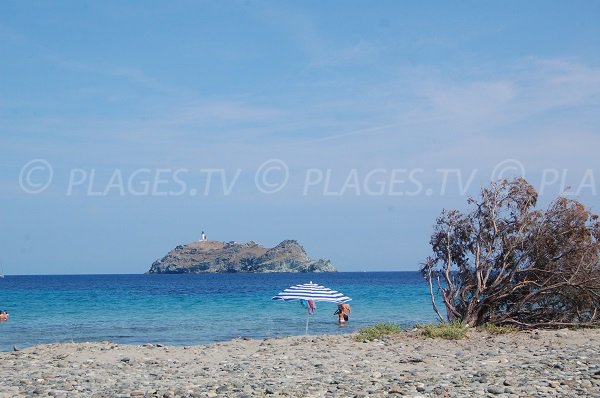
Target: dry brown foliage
(505, 262)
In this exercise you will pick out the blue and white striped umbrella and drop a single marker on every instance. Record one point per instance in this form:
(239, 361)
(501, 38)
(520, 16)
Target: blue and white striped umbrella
(312, 291)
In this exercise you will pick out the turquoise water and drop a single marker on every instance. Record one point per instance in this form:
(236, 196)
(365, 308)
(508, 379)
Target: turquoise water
(192, 309)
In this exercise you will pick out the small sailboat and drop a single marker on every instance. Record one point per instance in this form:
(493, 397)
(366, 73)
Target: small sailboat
(1, 271)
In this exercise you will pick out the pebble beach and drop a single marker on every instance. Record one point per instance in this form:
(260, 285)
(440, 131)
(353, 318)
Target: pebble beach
(544, 363)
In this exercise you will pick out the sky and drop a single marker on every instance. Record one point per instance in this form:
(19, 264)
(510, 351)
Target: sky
(127, 128)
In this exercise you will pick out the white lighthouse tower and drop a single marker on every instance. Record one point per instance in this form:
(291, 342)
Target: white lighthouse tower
(203, 237)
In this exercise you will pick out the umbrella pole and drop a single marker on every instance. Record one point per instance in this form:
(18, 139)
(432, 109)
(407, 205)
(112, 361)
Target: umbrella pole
(307, 316)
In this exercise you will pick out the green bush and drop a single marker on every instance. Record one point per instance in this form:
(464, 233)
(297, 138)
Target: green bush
(377, 331)
(448, 331)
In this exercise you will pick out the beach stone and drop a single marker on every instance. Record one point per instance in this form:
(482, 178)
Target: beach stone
(284, 367)
(558, 366)
(247, 388)
(481, 379)
(396, 389)
(586, 383)
(495, 390)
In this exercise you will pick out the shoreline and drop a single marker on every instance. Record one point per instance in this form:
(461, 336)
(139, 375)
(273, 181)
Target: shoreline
(525, 363)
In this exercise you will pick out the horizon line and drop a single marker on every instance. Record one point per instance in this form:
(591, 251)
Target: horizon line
(220, 273)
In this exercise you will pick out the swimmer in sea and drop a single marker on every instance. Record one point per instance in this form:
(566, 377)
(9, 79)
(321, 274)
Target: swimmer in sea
(343, 312)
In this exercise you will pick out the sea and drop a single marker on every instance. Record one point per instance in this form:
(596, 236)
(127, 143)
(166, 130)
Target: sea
(197, 309)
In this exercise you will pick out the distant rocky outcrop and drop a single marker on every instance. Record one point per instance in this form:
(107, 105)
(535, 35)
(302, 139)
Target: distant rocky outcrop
(225, 257)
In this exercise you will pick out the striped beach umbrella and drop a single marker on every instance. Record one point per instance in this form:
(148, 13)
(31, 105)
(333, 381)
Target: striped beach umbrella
(312, 291)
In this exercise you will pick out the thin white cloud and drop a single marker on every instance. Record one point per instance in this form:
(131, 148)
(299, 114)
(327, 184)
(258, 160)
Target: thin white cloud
(131, 74)
(469, 102)
(526, 90)
(557, 83)
(334, 55)
(319, 49)
(422, 116)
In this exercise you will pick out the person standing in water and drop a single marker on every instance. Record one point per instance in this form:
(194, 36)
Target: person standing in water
(343, 312)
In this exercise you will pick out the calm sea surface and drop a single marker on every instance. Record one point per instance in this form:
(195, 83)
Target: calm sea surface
(192, 309)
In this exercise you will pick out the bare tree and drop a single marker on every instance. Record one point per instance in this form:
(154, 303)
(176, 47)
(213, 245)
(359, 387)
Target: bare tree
(504, 262)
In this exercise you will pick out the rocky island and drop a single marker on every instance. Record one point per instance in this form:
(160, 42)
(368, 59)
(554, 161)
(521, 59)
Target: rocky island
(209, 256)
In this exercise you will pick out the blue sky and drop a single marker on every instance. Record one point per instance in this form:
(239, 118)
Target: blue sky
(426, 102)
